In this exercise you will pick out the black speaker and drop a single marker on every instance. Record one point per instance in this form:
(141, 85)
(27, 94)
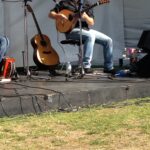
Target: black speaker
(143, 69)
(144, 42)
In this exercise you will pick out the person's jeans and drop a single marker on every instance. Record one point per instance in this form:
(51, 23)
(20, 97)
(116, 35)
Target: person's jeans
(90, 37)
(4, 44)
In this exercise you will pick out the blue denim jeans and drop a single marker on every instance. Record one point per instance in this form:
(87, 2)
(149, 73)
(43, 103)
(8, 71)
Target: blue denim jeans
(90, 37)
(4, 44)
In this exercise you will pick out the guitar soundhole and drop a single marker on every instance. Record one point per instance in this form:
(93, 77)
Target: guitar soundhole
(70, 17)
(43, 43)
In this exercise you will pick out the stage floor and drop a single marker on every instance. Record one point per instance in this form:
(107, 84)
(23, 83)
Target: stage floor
(40, 93)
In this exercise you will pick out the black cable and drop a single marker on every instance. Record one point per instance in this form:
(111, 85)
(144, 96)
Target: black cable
(61, 109)
(36, 99)
(11, 1)
(38, 104)
(20, 100)
(20, 95)
(37, 87)
(6, 114)
(12, 96)
(34, 105)
(67, 102)
(59, 102)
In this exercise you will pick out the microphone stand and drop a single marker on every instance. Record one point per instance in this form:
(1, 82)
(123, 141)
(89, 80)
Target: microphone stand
(81, 68)
(25, 53)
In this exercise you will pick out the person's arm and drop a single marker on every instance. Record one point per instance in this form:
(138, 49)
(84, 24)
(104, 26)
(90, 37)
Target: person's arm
(54, 15)
(88, 19)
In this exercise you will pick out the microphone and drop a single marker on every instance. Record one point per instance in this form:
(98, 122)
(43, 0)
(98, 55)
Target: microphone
(27, 1)
(80, 5)
(55, 1)
(81, 2)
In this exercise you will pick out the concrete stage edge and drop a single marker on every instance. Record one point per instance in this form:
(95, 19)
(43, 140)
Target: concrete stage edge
(43, 93)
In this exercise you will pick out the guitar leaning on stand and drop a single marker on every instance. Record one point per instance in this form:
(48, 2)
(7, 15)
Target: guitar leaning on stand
(44, 56)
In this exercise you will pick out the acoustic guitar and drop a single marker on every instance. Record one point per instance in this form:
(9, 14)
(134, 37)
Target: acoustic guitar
(64, 26)
(44, 55)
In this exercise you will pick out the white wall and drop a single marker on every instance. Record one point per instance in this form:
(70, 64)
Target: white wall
(109, 19)
(1, 19)
(137, 19)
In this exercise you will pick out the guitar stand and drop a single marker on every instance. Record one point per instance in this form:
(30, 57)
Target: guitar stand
(25, 53)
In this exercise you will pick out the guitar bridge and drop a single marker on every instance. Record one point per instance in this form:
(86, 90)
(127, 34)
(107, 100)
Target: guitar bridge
(46, 52)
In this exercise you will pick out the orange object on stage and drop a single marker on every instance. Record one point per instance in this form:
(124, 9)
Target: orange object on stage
(7, 67)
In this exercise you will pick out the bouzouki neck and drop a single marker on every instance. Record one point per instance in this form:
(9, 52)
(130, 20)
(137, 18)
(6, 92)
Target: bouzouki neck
(100, 2)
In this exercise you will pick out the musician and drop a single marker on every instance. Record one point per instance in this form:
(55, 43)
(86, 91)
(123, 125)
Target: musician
(4, 44)
(89, 36)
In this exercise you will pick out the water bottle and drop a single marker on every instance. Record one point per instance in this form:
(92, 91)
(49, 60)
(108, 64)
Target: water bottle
(122, 73)
(68, 68)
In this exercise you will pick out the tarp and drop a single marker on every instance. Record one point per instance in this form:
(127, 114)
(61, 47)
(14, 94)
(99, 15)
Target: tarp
(122, 20)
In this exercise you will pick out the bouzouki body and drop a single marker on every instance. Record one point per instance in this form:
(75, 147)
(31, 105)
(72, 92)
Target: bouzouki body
(44, 54)
(64, 26)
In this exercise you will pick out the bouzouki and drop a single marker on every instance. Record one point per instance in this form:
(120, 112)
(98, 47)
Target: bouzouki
(64, 26)
(44, 55)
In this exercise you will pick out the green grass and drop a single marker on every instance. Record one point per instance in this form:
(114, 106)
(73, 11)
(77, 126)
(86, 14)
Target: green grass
(124, 125)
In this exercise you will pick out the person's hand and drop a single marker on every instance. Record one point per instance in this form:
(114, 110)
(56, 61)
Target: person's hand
(88, 19)
(61, 17)
(84, 15)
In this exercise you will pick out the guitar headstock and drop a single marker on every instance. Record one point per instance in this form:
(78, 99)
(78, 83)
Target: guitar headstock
(29, 8)
(103, 1)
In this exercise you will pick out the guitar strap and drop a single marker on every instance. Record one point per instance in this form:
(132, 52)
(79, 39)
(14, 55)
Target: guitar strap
(73, 3)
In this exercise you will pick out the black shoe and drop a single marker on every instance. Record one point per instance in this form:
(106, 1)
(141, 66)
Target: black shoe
(88, 70)
(112, 71)
(53, 73)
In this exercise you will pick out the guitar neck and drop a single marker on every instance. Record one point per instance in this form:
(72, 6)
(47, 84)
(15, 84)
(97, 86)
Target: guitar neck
(37, 26)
